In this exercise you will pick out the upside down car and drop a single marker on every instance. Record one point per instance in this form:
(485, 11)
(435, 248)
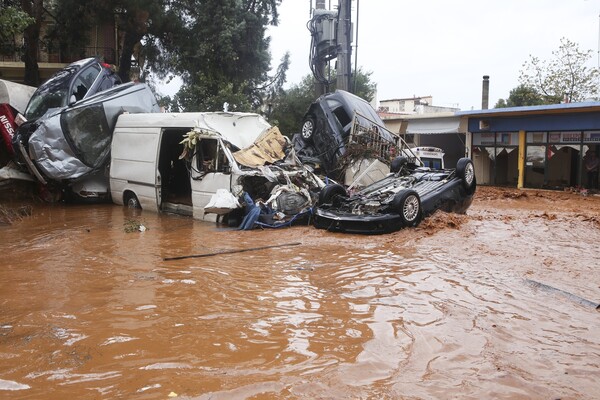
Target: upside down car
(401, 199)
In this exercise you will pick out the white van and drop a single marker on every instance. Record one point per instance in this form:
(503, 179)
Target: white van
(177, 162)
(431, 157)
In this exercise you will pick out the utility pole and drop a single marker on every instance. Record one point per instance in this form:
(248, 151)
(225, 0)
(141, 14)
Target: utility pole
(344, 41)
(319, 87)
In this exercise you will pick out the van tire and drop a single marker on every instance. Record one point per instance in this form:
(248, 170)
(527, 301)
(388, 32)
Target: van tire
(132, 201)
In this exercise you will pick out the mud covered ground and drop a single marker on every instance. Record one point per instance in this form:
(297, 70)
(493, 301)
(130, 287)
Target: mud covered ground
(498, 303)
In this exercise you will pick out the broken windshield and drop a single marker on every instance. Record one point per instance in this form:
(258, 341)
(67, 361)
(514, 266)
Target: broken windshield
(52, 94)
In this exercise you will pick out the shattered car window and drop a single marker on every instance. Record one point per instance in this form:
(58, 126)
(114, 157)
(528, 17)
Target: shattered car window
(52, 94)
(85, 81)
(339, 112)
(207, 155)
(88, 133)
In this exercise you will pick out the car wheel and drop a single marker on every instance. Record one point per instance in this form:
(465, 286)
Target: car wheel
(308, 129)
(466, 172)
(133, 202)
(328, 194)
(408, 204)
(398, 163)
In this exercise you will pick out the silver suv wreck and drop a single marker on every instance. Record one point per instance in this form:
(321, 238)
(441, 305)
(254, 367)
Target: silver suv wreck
(67, 149)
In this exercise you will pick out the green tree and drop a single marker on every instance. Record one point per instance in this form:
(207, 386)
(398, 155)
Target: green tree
(222, 54)
(13, 21)
(565, 76)
(138, 20)
(363, 86)
(71, 29)
(522, 95)
(289, 106)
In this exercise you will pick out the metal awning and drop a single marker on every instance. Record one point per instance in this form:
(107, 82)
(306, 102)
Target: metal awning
(432, 126)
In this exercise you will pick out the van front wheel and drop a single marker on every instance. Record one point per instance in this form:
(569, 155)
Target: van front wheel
(132, 202)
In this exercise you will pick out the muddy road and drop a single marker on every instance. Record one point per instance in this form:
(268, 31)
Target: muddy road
(461, 307)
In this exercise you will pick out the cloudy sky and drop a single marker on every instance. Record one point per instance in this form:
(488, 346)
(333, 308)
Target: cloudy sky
(443, 48)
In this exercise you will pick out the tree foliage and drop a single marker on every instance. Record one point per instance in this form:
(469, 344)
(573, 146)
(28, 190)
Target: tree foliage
(13, 21)
(218, 48)
(137, 20)
(523, 95)
(565, 77)
(222, 54)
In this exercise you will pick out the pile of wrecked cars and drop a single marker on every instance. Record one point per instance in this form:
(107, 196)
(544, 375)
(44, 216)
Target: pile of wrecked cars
(64, 141)
(87, 136)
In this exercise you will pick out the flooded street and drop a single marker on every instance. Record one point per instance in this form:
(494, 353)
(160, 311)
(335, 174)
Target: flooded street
(495, 304)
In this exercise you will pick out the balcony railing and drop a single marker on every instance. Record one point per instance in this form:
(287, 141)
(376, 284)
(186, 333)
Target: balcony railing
(45, 55)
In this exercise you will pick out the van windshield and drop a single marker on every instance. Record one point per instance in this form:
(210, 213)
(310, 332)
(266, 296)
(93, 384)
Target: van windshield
(433, 163)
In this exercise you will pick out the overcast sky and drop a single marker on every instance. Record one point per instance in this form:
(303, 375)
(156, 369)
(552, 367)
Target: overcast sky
(443, 48)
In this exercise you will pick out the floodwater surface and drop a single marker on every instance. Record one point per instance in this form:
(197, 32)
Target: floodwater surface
(91, 311)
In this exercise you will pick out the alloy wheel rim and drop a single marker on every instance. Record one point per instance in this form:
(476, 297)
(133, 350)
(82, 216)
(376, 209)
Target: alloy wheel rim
(307, 129)
(411, 208)
(469, 174)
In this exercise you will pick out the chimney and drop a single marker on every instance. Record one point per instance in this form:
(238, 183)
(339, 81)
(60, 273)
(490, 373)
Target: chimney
(485, 92)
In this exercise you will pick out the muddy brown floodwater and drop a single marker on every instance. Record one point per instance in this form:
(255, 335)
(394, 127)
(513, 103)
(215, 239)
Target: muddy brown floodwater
(460, 307)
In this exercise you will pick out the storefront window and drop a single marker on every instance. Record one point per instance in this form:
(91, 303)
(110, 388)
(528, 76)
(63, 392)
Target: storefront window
(535, 166)
(484, 165)
(536, 137)
(553, 159)
(506, 165)
(591, 137)
(564, 137)
(507, 139)
(496, 165)
(589, 178)
(562, 164)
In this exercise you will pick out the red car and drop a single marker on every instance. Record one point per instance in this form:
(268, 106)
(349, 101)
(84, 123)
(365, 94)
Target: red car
(13, 100)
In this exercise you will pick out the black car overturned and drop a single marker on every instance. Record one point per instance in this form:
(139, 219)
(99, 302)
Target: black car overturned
(402, 199)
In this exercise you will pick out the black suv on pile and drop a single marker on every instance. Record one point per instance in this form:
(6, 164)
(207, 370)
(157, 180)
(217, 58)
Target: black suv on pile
(327, 125)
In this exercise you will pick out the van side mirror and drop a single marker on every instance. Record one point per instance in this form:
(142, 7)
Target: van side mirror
(72, 100)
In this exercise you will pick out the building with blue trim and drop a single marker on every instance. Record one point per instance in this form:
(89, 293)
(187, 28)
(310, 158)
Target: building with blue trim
(534, 147)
